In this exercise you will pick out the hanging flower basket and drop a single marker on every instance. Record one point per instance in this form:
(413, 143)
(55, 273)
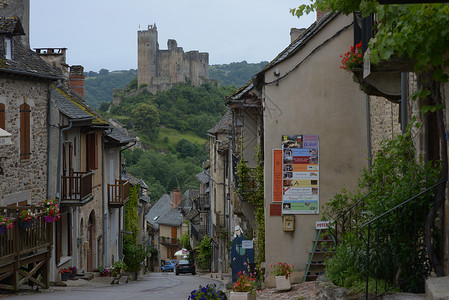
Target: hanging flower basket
(49, 219)
(51, 210)
(26, 219)
(5, 224)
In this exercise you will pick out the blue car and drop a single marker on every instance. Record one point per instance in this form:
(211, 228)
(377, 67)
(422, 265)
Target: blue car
(169, 266)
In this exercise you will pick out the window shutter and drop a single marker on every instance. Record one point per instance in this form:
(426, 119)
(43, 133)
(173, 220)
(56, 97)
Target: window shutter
(25, 149)
(2, 116)
(92, 150)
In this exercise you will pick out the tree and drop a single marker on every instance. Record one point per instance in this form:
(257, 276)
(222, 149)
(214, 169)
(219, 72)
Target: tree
(146, 117)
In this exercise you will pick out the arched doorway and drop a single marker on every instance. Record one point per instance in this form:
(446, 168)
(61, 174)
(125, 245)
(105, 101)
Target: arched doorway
(90, 240)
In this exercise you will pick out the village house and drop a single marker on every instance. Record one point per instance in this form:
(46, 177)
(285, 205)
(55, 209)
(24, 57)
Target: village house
(299, 113)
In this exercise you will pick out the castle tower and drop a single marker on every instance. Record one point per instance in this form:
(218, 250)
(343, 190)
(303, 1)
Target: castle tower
(147, 49)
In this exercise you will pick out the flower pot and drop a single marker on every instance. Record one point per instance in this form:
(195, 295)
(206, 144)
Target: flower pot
(3, 230)
(64, 276)
(283, 283)
(49, 219)
(24, 225)
(72, 274)
(242, 296)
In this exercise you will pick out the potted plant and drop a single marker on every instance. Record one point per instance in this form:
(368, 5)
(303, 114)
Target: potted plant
(72, 273)
(244, 288)
(103, 271)
(26, 218)
(282, 272)
(352, 59)
(5, 224)
(208, 292)
(118, 267)
(51, 210)
(64, 274)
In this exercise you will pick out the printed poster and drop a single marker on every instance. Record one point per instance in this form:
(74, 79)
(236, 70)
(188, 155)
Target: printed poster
(300, 174)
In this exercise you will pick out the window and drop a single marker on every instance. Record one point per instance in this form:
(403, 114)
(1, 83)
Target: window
(25, 113)
(92, 150)
(2, 116)
(8, 46)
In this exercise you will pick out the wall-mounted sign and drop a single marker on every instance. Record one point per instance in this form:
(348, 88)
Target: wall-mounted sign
(300, 174)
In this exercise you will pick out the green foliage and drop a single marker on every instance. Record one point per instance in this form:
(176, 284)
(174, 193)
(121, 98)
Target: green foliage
(185, 240)
(415, 31)
(99, 86)
(251, 188)
(204, 250)
(134, 256)
(162, 172)
(146, 118)
(396, 175)
(131, 216)
(236, 73)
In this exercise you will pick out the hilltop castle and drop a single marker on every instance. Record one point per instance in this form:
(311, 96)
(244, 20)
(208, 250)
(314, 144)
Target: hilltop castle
(161, 69)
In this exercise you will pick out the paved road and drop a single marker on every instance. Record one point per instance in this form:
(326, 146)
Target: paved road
(161, 286)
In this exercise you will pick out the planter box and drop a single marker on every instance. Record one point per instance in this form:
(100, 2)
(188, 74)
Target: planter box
(282, 283)
(242, 296)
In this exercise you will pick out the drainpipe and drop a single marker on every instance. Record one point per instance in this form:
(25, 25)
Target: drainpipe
(403, 102)
(105, 211)
(368, 131)
(120, 240)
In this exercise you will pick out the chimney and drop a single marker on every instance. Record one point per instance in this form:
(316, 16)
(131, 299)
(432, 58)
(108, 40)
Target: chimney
(76, 78)
(175, 197)
(296, 33)
(320, 14)
(55, 57)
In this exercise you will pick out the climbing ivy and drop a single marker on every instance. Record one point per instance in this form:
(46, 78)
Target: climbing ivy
(131, 216)
(250, 187)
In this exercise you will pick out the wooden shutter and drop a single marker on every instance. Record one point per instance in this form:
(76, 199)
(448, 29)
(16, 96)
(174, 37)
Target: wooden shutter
(25, 149)
(69, 234)
(2, 116)
(92, 151)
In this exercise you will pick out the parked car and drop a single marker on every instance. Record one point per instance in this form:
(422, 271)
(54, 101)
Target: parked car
(169, 266)
(185, 266)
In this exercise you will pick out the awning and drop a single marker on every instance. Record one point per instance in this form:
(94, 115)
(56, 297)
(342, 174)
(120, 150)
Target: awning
(5, 137)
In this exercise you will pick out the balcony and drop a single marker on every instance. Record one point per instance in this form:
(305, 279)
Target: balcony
(204, 203)
(76, 189)
(118, 193)
(25, 252)
(167, 241)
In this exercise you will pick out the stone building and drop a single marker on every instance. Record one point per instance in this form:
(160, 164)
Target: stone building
(161, 69)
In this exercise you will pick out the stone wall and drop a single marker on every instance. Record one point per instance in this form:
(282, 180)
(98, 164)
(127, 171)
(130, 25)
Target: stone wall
(385, 121)
(24, 180)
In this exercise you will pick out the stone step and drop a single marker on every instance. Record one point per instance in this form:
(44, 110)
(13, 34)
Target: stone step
(437, 288)
(404, 296)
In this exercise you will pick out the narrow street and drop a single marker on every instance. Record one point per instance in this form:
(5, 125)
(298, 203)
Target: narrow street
(159, 286)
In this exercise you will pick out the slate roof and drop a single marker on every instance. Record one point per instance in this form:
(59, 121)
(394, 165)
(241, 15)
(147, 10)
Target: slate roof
(203, 177)
(120, 135)
(24, 61)
(163, 214)
(224, 125)
(73, 107)
(11, 26)
(291, 49)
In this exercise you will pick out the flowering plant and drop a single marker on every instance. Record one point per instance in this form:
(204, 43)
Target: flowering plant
(208, 292)
(246, 282)
(103, 271)
(282, 269)
(50, 208)
(5, 222)
(72, 269)
(64, 271)
(27, 216)
(352, 58)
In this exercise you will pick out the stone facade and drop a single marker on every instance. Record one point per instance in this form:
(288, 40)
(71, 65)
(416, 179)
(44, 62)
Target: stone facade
(161, 69)
(24, 180)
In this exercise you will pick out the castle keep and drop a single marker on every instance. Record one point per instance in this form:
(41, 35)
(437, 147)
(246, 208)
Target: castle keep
(161, 69)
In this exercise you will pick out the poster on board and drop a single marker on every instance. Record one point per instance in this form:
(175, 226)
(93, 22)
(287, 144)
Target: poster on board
(300, 174)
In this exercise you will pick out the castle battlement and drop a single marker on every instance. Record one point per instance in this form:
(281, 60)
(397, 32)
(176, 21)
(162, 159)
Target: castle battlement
(161, 69)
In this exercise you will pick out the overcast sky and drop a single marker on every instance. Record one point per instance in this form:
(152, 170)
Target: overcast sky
(102, 34)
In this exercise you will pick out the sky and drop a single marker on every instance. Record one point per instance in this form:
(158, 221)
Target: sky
(102, 34)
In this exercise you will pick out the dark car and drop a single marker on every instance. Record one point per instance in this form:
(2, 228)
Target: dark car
(185, 266)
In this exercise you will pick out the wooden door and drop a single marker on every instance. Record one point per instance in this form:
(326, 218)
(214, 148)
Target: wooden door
(90, 238)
